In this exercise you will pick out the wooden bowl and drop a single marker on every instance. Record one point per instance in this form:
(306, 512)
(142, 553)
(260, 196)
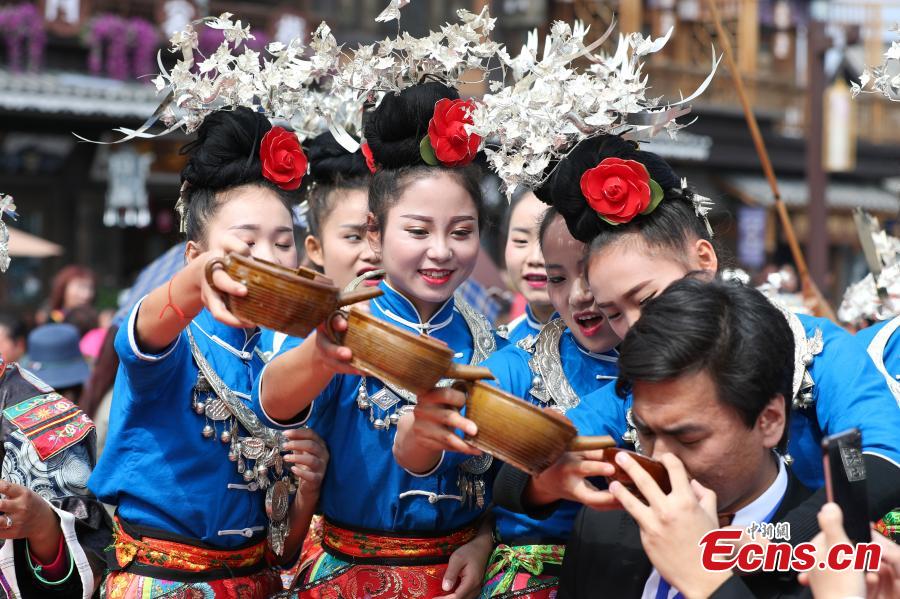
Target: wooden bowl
(394, 355)
(653, 467)
(519, 432)
(293, 301)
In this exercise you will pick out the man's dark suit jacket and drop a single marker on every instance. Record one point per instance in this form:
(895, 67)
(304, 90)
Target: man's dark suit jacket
(604, 557)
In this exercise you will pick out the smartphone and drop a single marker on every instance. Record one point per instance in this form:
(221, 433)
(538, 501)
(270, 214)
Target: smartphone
(845, 481)
(653, 468)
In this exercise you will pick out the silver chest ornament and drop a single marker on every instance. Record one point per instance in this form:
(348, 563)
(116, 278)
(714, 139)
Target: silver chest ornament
(384, 400)
(549, 384)
(277, 509)
(257, 454)
(470, 479)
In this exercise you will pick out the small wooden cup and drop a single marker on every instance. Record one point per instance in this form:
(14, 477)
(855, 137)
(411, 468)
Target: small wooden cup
(653, 467)
(283, 299)
(387, 352)
(520, 433)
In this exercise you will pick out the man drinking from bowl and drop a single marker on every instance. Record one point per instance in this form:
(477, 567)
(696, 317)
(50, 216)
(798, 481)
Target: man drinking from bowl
(709, 365)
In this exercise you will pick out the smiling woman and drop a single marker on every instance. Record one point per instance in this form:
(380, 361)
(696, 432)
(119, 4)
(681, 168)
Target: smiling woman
(424, 221)
(428, 248)
(525, 265)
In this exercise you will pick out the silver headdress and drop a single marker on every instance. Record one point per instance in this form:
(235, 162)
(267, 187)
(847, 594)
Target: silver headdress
(278, 84)
(450, 55)
(551, 106)
(882, 79)
(316, 88)
(877, 296)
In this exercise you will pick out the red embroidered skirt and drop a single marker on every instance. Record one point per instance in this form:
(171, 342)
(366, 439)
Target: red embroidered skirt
(357, 563)
(142, 566)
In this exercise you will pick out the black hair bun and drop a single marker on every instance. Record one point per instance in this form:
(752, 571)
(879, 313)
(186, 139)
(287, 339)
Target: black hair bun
(543, 191)
(563, 189)
(226, 151)
(395, 128)
(329, 161)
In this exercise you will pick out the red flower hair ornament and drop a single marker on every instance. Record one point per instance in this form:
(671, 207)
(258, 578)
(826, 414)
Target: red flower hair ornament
(283, 160)
(370, 159)
(619, 190)
(448, 143)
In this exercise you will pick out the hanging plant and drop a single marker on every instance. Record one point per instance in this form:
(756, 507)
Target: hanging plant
(144, 42)
(129, 45)
(21, 24)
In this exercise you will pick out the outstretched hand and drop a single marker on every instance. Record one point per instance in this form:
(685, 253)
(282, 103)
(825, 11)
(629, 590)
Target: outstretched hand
(568, 478)
(329, 353)
(436, 418)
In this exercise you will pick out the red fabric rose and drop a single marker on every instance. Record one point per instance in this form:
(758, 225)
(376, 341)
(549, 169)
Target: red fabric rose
(447, 132)
(283, 160)
(370, 160)
(618, 190)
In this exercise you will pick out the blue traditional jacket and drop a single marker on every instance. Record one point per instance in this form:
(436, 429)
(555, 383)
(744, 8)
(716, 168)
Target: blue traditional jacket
(158, 467)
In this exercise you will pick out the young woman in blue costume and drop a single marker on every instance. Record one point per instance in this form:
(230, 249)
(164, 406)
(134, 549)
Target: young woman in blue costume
(389, 531)
(571, 356)
(201, 490)
(638, 249)
(525, 266)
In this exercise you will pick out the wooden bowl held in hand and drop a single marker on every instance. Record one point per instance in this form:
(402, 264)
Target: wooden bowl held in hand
(657, 472)
(520, 433)
(653, 467)
(399, 357)
(293, 301)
